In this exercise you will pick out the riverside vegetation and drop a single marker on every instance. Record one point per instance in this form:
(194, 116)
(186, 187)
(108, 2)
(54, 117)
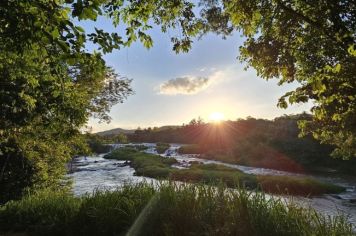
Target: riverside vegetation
(155, 166)
(165, 209)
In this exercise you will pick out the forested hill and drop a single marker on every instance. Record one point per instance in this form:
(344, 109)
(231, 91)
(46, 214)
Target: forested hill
(256, 142)
(226, 133)
(115, 132)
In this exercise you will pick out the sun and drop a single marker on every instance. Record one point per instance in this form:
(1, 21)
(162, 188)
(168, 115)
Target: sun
(216, 117)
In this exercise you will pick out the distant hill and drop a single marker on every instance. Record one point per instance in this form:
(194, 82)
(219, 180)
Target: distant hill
(131, 131)
(115, 132)
(168, 127)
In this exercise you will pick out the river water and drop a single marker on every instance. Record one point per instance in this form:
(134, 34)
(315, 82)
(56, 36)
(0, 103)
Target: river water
(95, 173)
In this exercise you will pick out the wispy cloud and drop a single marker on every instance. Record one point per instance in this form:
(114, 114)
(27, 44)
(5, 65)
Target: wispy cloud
(185, 85)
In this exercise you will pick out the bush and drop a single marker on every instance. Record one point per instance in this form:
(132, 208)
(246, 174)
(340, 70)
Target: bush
(125, 153)
(97, 147)
(162, 147)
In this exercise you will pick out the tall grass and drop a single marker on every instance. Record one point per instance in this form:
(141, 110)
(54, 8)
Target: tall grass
(167, 209)
(53, 213)
(204, 210)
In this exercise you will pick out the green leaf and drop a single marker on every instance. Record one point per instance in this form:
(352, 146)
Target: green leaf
(55, 33)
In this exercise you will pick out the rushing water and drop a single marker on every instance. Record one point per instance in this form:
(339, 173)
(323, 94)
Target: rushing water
(91, 173)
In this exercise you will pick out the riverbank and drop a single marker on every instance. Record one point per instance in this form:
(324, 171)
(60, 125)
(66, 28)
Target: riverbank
(166, 209)
(154, 166)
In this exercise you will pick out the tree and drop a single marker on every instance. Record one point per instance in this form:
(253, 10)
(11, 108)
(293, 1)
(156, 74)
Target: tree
(196, 122)
(43, 108)
(51, 85)
(49, 88)
(312, 43)
(121, 138)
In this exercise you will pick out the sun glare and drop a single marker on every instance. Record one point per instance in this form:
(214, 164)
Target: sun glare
(216, 117)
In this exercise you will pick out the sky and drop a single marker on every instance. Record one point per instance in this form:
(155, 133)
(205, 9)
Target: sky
(172, 89)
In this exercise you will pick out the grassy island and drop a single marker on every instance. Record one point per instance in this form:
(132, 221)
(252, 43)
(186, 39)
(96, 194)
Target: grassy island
(155, 166)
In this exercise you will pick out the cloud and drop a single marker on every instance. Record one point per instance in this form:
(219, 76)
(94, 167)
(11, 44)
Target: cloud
(194, 84)
(185, 85)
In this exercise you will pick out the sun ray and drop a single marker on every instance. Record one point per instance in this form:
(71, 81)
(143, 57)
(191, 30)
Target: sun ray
(216, 117)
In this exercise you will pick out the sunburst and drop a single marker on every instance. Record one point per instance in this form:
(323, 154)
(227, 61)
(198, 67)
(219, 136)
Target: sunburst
(216, 117)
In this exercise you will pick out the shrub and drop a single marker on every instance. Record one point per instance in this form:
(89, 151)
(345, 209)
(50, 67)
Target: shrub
(162, 147)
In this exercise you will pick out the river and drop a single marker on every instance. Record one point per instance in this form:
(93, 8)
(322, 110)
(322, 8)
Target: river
(92, 173)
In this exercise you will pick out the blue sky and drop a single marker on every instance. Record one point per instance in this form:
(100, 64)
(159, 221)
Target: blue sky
(171, 89)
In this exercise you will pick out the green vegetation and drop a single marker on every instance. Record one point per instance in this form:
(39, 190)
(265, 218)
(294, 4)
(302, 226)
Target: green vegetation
(214, 174)
(121, 138)
(155, 166)
(162, 147)
(59, 213)
(313, 44)
(138, 147)
(254, 142)
(169, 209)
(52, 85)
(290, 185)
(97, 144)
(190, 149)
(296, 185)
(145, 164)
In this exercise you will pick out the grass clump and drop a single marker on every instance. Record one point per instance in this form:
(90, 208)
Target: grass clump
(214, 174)
(162, 147)
(296, 185)
(111, 213)
(53, 213)
(155, 166)
(45, 212)
(167, 209)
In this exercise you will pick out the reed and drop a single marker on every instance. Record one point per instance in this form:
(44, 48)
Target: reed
(165, 209)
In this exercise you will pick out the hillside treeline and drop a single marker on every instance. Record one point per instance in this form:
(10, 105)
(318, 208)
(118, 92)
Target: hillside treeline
(254, 142)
